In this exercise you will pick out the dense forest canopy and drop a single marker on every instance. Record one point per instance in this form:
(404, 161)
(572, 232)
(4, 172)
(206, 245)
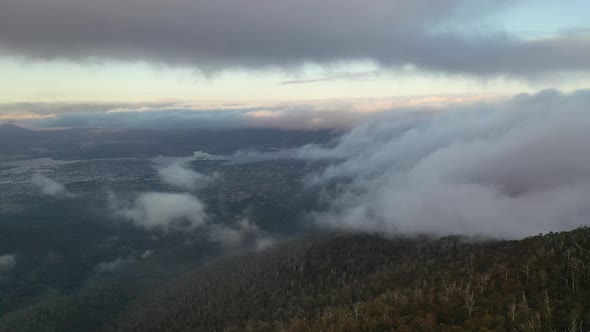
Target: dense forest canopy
(348, 283)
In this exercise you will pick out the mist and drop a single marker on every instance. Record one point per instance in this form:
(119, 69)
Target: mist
(7, 263)
(161, 211)
(506, 170)
(181, 176)
(114, 265)
(48, 186)
(241, 234)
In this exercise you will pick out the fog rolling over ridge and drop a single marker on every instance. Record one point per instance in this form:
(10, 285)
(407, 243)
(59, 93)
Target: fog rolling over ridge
(507, 170)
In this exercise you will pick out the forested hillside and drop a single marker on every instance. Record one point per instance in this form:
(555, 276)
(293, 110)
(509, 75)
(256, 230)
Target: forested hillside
(359, 283)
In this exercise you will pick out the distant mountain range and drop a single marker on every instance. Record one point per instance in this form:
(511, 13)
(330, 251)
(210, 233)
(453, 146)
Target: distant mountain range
(89, 143)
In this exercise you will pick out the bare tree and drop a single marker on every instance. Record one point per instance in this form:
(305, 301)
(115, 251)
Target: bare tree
(469, 301)
(526, 269)
(574, 325)
(356, 307)
(512, 307)
(548, 307)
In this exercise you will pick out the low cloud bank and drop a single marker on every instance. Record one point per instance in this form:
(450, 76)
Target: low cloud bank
(48, 187)
(7, 263)
(184, 212)
(274, 116)
(244, 232)
(166, 211)
(507, 170)
(181, 176)
(316, 114)
(114, 265)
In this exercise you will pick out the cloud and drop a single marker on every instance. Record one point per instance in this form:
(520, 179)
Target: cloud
(342, 113)
(214, 35)
(181, 176)
(7, 263)
(171, 211)
(508, 170)
(48, 187)
(114, 265)
(163, 211)
(303, 117)
(242, 233)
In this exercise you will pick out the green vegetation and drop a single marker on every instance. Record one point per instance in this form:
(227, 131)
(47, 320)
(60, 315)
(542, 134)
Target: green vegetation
(352, 283)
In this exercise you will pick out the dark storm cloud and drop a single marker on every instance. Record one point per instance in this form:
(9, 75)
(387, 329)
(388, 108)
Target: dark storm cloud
(221, 34)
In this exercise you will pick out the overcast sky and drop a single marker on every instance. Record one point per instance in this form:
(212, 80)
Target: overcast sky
(219, 51)
(441, 98)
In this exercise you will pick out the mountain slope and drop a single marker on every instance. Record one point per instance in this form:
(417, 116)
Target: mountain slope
(357, 283)
(365, 283)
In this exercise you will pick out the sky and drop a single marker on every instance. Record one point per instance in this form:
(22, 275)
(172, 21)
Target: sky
(469, 113)
(211, 53)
